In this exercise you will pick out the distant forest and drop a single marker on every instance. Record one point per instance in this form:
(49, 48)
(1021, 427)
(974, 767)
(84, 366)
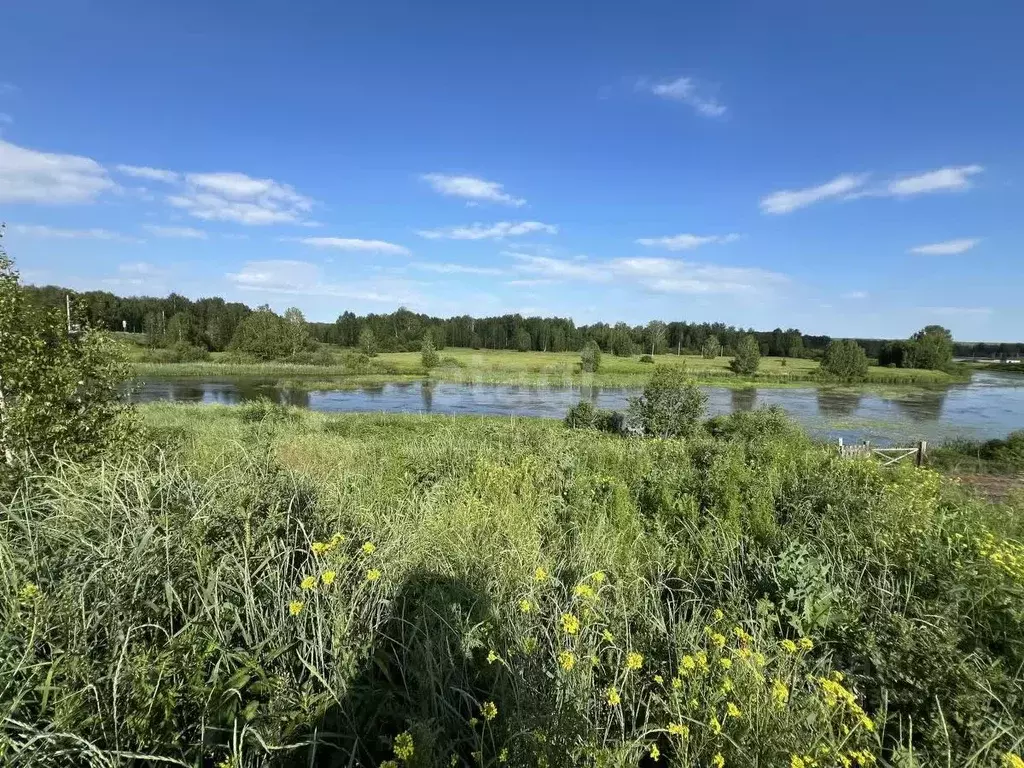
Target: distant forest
(212, 322)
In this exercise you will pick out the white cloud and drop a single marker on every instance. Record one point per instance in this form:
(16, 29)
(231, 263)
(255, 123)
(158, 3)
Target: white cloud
(355, 244)
(140, 268)
(855, 295)
(495, 231)
(561, 269)
(307, 279)
(787, 200)
(57, 233)
(185, 233)
(686, 242)
(8, 88)
(471, 188)
(231, 196)
(151, 174)
(29, 176)
(958, 311)
(458, 269)
(942, 180)
(687, 91)
(530, 283)
(6, 119)
(946, 248)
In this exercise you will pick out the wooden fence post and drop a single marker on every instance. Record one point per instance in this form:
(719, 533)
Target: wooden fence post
(922, 452)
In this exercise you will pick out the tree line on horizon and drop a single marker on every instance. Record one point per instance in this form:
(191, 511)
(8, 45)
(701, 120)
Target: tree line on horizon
(213, 324)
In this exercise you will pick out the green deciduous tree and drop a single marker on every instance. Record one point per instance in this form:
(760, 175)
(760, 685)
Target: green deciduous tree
(845, 359)
(428, 355)
(263, 335)
(59, 392)
(710, 349)
(933, 348)
(670, 406)
(748, 357)
(368, 342)
(655, 337)
(298, 330)
(590, 357)
(523, 340)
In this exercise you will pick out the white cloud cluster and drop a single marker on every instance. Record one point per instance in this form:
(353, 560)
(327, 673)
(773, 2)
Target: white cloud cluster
(497, 231)
(183, 233)
(850, 186)
(472, 188)
(30, 176)
(946, 248)
(355, 244)
(150, 174)
(457, 269)
(307, 279)
(58, 233)
(236, 197)
(686, 90)
(686, 242)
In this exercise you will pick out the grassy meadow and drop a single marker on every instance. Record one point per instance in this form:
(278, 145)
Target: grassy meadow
(527, 368)
(261, 586)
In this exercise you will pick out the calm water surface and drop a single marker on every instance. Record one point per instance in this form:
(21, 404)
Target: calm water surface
(991, 405)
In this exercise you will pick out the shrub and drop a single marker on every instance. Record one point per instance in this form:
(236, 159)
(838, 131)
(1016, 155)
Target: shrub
(669, 406)
(428, 355)
(748, 357)
(451, 362)
(846, 360)
(187, 353)
(321, 356)
(263, 335)
(368, 342)
(590, 357)
(711, 348)
(646, 359)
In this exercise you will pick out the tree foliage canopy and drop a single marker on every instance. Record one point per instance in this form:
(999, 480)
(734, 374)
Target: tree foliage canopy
(670, 406)
(748, 357)
(845, 359)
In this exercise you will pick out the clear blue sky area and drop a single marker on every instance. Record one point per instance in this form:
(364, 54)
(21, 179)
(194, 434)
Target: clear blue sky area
(845, 168)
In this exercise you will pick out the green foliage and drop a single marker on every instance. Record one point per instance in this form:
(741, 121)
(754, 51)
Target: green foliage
(998, 456)
(590, 357)
(711, 348)
(897, 354)
(646, 359)
(59, 392)
(933, 348)
(584, 415)
(297, 331)
(187, 353)
(428, 355)
(368, 342)
(655, 337)
(747, 358)
(263, 335)
(182, 330)
(670, 406)
(845, 360)
(524, 343)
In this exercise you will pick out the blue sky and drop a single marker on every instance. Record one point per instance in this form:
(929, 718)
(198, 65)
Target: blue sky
(847, 169)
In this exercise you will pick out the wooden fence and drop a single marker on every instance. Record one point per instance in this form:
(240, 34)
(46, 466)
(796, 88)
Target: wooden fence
(888, 456)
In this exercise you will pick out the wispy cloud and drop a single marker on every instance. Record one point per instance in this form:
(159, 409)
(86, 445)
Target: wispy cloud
(6, 119)
(472, 188)
(30, 176)
(354, 244)
(496, 231)
(57, 233)
(307, 279)
(686, 90)
(6, 89)
(958, 311)
(685, 242)
(787, 200)
(151, 174)
(232, 196)
(855, 295)
(185, 233)
(943, 180)
(946, 248)
(140, 268)
(458, 269)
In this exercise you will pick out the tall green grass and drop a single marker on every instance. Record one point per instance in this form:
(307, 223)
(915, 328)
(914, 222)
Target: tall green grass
(530, 595)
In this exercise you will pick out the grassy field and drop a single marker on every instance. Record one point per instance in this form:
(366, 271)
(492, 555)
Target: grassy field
(537, 369)
(280, 587)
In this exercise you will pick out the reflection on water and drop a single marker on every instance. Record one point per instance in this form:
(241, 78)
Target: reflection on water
(991, 405)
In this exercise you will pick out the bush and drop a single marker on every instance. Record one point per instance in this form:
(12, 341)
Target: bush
(646, 359)
(451, 362)
(770, 423)
(669, 406)
(997, 456)
(846, 360)
(748, 357)
(321, 356)
(367, 342)
(590, 357)
(186, 353)
(428, 355)
(584, 415)
(711, 348)
(263, 335)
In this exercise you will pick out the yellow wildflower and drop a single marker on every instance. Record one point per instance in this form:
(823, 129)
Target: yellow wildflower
(570, 624)
(612, 695)
(403, 746)
(295, 607)
(608, 636)
(806, 644)
(702, 661)
(869, 724)
(718, 640)
(659, 679)
(780, 693)
(491, 656)
(540, 575)
(718, 761)
(797, 762)
(308, 582)
(369, 547)
(489, 710)
(731, 710)
(718, 614)
(726, 684)
(525, 605)
(599, 577)
(320, 547)
(715, 724)
(744, 653)
(654, 752)
(529, 645)
(759, 658)
(585, 591)
(503, 755)
(567, 660)
(677, 683)
(688, 665)
(388, 764)
(1011, 760)
(788, 646)
(678, 729)
(741, 635)
(328, 577)
(28, 592)
(373, 575)
(725, 662)
(634, 660)
(474, 722)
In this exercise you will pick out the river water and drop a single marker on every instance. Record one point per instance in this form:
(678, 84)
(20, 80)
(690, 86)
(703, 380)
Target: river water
(991, 405)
